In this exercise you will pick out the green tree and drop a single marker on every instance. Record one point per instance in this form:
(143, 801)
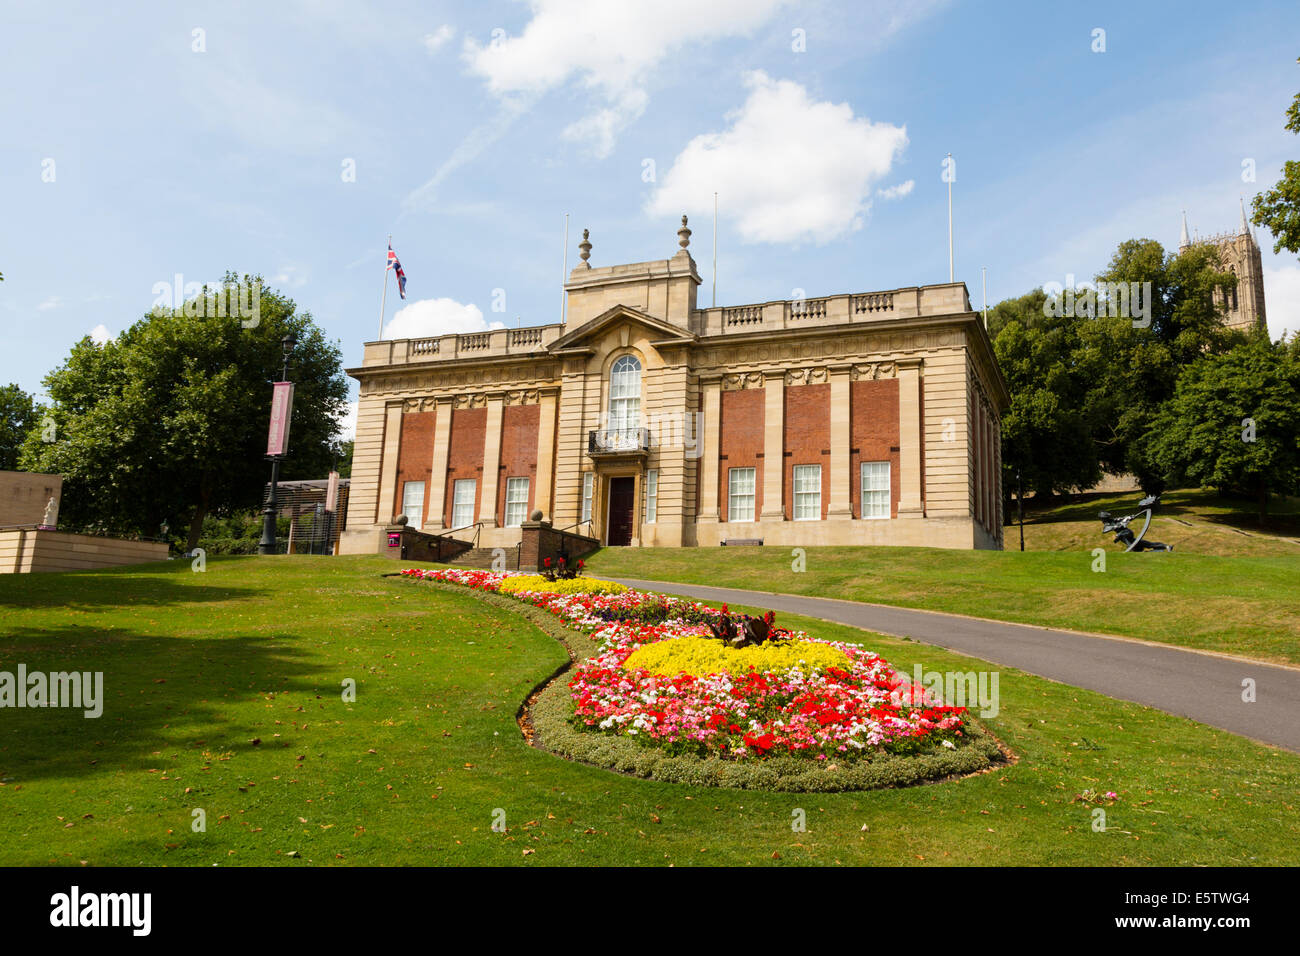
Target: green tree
(1233, 423)
(169, 420)
(18, 413)
(1278, 209)
(345, 457)
(1132, 362)
(1045, 434)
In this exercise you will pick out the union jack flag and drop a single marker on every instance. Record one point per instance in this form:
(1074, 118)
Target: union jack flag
(396, 266)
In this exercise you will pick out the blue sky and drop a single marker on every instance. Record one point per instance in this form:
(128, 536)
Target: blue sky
(474, 127)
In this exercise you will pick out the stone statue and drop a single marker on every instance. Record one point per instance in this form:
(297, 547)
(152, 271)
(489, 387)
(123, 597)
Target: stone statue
(51, 514)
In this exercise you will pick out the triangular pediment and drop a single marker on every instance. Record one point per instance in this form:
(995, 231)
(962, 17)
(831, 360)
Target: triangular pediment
(593, 328)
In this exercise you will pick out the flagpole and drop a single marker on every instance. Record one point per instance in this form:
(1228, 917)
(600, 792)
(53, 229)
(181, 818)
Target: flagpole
(950, 269)
(564, 274)
(715, 250)
(383, 302)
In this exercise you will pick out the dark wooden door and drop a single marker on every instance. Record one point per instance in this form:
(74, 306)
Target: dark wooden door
(622, 496)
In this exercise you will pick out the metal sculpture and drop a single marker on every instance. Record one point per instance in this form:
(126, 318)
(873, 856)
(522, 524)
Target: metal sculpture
(1124, 535)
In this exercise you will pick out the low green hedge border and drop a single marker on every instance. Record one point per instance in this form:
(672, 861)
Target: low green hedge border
(551, 712)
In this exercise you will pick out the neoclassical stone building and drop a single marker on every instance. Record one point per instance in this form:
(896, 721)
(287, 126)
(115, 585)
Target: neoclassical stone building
(869, 418)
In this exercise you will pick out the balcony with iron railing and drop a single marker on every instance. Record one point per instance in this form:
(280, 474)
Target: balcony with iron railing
(608, 442)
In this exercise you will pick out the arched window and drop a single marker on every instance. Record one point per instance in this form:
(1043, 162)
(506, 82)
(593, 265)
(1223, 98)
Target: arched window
(625, 394)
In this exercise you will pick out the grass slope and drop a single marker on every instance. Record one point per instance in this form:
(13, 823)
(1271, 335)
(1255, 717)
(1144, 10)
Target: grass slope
(197, 666)
(1248, 606)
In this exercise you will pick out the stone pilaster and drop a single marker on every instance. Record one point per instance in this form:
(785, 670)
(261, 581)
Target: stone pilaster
(543, 496)
(487, 505)
(840, 504)
(388, 464)
(773, 447)
(708, 466)
(909, 437)
(438, 469)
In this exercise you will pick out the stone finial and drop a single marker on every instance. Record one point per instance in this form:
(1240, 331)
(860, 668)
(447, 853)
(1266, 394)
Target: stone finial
(684, 235)
(585, 246)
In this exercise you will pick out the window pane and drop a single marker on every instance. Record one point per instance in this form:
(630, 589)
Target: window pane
(740, 497)
(587, 482)
(807, 492)
(875, 489)
(462, 509)
(651, 494)
(516, 501)
(413, 503)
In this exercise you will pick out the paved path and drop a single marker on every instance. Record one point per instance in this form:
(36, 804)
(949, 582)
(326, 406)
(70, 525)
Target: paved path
(1204, 687)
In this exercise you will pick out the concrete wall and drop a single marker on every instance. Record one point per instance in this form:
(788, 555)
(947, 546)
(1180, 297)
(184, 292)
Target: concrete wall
(24, 494)
(26, 551)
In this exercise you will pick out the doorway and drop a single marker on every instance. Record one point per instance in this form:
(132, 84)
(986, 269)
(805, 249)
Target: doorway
(622, 498)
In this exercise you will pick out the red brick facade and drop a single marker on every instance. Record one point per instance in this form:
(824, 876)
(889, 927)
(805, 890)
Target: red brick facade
(465, 455)
(740, 444)
(518, 452)
(415, 458)
(807, 438)
(873, 436)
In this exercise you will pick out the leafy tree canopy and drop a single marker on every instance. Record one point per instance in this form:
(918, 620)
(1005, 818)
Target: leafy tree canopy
(1233, 423)
(18, 413)
(169, 420)
(1278, 209)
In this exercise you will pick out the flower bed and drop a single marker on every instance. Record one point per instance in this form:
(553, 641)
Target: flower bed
(811, 700)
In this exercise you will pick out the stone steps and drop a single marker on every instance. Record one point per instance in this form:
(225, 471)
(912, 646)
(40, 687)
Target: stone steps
(483, 558)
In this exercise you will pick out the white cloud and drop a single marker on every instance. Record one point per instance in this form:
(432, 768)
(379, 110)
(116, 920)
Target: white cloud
(896, 192)
(1282, 300)
(792, 169)
(434, 41)
(290, 277)
(425, 318)
(53, 302)
(348, 422)
(100, 334)
(571, 38)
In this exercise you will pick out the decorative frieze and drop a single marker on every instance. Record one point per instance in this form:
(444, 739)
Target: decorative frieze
(805, 376)
(739, 381)
(424, 381)
(788, 351)
(872, 371)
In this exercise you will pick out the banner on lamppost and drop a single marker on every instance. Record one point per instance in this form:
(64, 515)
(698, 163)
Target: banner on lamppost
(277, 439)
(332, 492)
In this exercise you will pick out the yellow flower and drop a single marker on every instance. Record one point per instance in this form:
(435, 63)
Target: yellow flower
(701, 655)
(535, 582)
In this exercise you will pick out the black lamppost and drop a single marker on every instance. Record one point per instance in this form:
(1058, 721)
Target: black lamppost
(271, 511)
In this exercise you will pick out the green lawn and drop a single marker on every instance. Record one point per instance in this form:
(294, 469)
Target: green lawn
(1248, 606)
(198, 666)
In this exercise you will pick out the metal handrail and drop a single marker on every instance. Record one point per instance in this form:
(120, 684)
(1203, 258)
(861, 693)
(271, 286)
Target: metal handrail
(477, 526)
(591, 528)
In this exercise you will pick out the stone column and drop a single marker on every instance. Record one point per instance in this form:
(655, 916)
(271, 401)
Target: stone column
(487, 503)
(841, 479)
(544, 494)
(708, 466)
(773, 446)
(909, 437)
(388, 466)
(438, 471)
